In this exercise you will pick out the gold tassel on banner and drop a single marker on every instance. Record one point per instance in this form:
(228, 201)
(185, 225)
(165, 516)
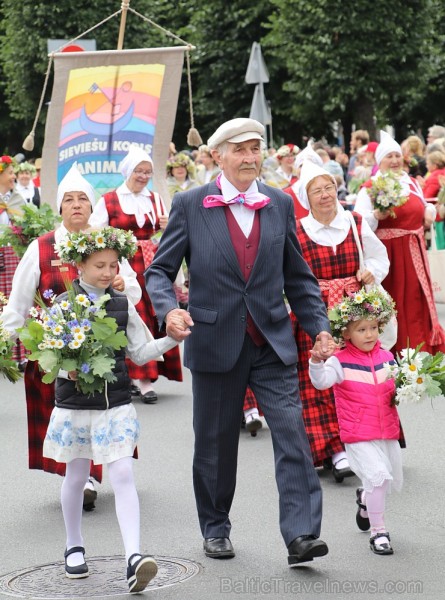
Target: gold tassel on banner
(193, 137)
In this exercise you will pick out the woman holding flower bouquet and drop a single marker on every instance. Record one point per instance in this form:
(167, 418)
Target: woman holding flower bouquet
(394, 206)
(41, 269)
(82, 339)
(364, 399)
(133, 207)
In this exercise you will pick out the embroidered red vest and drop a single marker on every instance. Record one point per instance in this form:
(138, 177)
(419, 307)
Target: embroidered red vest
(246, 250)
(53, 272)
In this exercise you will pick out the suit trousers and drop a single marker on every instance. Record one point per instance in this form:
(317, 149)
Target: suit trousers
(217, 412)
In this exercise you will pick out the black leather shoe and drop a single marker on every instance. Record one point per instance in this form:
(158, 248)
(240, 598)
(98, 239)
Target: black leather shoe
(362, 522)
(218, 548)
(305, 548)
(150, 397)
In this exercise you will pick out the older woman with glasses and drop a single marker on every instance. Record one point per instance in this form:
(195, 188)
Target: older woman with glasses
(134, 207)
(327, 242)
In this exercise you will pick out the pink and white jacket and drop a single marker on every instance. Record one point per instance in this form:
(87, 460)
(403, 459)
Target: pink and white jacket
(362, 393)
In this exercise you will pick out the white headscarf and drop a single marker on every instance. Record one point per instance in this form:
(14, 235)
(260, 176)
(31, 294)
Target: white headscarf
(387, 144)
(75, 182)
(310, 171)
(135, 156)
(308, 153)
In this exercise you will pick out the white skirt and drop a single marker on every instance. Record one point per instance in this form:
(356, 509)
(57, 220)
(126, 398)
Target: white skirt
(376, 461)
(102, 436)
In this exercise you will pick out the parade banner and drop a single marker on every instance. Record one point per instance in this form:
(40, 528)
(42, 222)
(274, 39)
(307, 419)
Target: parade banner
(103, 102)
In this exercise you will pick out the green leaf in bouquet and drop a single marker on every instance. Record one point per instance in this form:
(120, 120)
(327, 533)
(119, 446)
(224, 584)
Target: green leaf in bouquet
(101, 365)
(69, 364)
(117, 341)
(51, 375)
(103, 328)
(31, 335)
(49, 361)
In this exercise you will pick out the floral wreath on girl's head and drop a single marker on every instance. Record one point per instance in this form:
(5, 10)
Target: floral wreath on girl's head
(181, 160)
(77, 246)
(375, 304)
(5, 162)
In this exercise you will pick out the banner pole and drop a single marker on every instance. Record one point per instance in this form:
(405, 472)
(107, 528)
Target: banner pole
(120, 41)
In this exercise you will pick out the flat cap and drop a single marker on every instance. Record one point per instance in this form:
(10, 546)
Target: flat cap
(236, 131)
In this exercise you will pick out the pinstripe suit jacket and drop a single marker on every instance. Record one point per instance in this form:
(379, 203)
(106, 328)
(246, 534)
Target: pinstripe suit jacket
(219, 296)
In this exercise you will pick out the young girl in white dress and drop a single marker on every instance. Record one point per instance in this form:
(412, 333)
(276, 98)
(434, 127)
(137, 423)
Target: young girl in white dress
(364, 401)
(102, 427)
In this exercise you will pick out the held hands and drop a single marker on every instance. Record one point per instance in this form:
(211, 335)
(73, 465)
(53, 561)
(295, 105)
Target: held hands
(324, 347)
(365, 277)
(178, 323)
(118, 283)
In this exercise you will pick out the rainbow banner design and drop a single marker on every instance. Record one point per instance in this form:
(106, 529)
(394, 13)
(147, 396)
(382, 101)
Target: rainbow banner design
(102, 103)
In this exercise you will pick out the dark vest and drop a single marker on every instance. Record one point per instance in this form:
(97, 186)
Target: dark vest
(246, 250)
(118, 391)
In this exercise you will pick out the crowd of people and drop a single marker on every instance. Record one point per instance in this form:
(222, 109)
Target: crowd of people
(272, 242)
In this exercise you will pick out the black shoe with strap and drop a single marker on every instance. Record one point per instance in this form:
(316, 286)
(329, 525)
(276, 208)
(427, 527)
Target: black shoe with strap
(79, 571)
(141, 572)
(362, 522)
(383, 547)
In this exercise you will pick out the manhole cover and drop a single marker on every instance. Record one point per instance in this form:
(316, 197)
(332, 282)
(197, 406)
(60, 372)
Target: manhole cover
(107, 578)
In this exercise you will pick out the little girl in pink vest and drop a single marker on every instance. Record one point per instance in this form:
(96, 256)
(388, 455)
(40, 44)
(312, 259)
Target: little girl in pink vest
(364, 400)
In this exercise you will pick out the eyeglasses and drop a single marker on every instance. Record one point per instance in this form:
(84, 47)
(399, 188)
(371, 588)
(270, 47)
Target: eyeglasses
(318, 193)
(140, 173)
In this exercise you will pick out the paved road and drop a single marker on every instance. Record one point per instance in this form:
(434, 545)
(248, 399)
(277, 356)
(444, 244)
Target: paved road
(32, 532)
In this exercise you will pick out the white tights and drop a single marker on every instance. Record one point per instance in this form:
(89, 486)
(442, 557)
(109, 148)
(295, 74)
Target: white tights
(120, 473)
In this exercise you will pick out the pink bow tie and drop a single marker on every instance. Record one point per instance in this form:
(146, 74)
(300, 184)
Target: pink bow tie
(252, 200)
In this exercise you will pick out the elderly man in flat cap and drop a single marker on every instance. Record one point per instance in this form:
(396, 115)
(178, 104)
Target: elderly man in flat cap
(238, 239)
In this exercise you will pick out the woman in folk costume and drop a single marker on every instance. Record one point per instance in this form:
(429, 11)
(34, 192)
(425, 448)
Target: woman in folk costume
(327, 242)
(307, 153)
(181, 173)
(408, 280)
(41, 269)
(133, 207)
(10, 204)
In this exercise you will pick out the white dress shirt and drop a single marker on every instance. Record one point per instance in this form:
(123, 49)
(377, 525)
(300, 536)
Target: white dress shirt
(374, 252)
(26, 282)
(244, 216)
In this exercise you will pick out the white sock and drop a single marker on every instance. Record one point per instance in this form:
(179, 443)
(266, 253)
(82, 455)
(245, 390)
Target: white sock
(71, 496)
(340, 456)
(120, 473)
(145, 385)
(251, 412)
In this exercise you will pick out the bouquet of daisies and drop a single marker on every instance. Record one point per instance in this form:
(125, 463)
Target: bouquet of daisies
(26, 226)
(418, 375)
(73, 334)
(8, 367)
(387, 193)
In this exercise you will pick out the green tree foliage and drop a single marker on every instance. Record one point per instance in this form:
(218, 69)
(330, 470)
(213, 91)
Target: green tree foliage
(353, 60)
(330, 60)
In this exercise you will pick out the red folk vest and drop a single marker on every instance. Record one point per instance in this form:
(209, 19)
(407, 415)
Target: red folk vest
(53, 272)
(246, 250)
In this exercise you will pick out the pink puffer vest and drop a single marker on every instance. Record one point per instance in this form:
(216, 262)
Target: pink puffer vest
(363, 399)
